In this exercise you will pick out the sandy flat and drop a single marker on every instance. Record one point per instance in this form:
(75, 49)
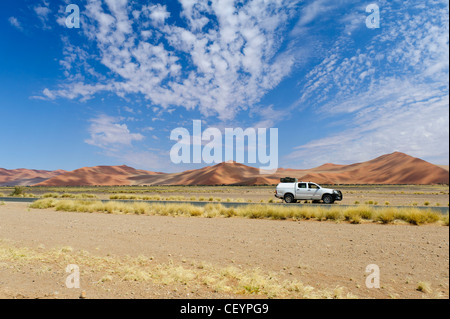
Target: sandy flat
(320, 254)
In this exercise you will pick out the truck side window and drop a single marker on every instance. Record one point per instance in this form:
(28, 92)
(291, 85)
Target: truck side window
(313, 186)
(301, 185)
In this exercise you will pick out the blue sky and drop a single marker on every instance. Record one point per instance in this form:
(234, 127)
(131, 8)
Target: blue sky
(110, 92)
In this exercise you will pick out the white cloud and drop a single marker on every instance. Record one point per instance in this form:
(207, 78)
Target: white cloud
(106, 133)
(43, 11)
(158, 13)
(219, 67)
(128, 109)
(77, 90)
(116, 141)
(268, 116)
(15, 23)
(315, 9)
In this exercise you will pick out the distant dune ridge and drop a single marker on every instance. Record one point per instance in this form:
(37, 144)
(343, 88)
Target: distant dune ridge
(26, 177)
(97, 176)
(395, 168)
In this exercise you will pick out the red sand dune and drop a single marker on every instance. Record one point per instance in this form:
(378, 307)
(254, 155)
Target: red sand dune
(395, 168)
(25, 177)
(95, 176)
(223, 173)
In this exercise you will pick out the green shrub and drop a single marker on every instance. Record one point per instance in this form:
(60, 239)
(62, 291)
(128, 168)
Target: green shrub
(18, 191)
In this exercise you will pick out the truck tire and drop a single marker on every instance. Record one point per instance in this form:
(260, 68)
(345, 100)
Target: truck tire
(328, 199)
(289, 198)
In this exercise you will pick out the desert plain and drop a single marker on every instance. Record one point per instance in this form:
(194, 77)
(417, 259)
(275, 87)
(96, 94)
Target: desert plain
(141, 256)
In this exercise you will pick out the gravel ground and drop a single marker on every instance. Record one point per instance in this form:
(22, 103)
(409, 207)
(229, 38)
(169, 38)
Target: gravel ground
(320, 254)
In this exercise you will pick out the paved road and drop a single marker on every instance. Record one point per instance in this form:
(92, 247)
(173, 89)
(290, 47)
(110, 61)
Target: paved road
(443, 210)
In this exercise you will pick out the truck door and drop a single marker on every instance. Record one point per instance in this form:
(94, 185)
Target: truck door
(313, 190)
(301, 191)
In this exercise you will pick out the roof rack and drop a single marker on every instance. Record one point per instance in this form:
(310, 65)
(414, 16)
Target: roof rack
(288, 180)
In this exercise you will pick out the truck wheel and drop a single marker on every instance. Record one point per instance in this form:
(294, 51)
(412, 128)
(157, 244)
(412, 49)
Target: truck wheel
(328, 199)
(289, 198)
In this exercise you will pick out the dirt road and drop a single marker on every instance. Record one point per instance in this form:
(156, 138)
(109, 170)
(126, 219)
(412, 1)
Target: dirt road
(320, 254)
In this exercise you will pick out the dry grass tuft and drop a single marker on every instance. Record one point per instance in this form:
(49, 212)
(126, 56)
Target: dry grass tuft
(193, 275)
(68, 195)
(353, 215)
(424, 287)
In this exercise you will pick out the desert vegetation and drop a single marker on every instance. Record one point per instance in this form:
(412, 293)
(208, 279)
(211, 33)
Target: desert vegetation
(190, 198)
(68, 195)
(424, 287)
(20, 191)
(355, 215)
(396, 195)
(190, 275)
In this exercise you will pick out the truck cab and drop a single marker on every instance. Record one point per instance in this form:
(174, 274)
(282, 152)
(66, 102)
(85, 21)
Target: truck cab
(291, 192)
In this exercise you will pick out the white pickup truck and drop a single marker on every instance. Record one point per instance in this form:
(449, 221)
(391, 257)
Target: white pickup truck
(293, 191)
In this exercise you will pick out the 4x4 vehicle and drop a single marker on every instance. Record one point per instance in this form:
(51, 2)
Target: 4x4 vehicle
(291, 191)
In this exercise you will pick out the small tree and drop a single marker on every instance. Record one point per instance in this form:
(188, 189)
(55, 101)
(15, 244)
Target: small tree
(18, 190)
